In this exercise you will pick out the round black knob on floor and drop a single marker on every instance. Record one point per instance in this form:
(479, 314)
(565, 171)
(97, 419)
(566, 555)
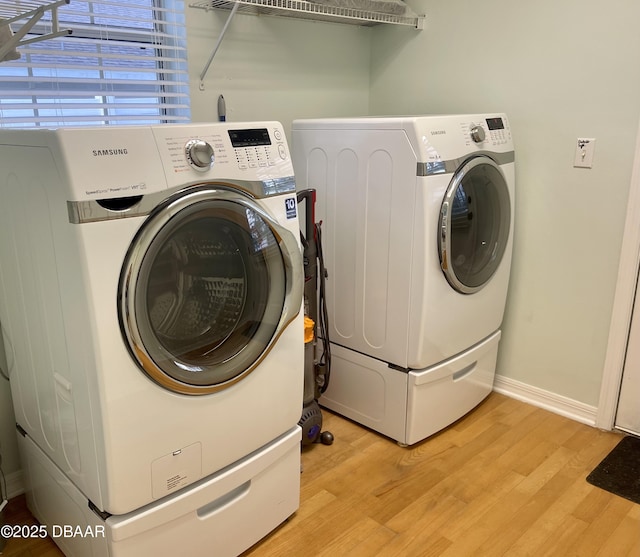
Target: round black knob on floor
(326, 438)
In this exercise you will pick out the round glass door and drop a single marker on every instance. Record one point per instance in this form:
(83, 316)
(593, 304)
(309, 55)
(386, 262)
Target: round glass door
(474, 225)
(208, 284)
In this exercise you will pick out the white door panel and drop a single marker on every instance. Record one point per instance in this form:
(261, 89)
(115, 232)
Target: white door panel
(628, 414)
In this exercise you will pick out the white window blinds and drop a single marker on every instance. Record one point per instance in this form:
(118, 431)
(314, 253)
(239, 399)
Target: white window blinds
(125, 63)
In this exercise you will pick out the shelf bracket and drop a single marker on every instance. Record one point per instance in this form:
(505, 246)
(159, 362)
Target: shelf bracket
(33, 16)
(217, 46)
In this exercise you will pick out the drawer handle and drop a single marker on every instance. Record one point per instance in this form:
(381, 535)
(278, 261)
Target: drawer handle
(458, 375)
(225, 500)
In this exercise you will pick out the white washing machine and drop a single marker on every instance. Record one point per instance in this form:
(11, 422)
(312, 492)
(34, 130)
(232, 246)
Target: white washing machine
(151, 294)
(417, 217)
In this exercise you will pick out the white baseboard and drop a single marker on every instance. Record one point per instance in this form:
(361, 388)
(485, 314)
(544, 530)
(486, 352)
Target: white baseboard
(15, 485)
(553, 402)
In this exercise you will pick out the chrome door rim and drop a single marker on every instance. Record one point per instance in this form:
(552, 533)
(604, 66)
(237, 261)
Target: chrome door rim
(159, 217)
(444, 225)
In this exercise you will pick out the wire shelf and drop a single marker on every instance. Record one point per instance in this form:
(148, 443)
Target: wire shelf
(301, 9)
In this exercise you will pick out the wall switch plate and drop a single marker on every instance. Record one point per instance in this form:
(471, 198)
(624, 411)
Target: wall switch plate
(584, 152)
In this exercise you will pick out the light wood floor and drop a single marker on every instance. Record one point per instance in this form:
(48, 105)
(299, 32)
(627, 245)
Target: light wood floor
(508, 479)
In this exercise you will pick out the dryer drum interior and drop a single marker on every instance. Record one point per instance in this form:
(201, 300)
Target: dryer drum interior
(203, 291)
(474, 223)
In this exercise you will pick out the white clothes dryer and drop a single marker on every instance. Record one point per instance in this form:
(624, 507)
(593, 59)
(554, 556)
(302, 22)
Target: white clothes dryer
(151, 294)
(417, 217)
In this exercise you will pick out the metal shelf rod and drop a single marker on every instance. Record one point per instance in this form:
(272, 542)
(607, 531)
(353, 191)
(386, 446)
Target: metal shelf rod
(217, 46)
(32, 16)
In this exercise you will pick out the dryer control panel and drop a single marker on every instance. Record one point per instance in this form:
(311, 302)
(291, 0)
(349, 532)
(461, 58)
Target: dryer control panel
(490, 131)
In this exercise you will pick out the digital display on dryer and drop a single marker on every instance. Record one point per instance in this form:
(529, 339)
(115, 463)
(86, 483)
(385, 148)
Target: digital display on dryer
(495, 124)
(249, 138)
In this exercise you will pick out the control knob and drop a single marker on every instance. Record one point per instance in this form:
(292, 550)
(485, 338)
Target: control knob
(199, 154)
(477, 133)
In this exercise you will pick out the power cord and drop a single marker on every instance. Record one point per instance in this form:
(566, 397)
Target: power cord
(323, 325)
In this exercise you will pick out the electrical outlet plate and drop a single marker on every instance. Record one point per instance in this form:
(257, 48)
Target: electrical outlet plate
(585, 147)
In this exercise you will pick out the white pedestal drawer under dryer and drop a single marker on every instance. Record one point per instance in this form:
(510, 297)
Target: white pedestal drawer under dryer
(417, 224)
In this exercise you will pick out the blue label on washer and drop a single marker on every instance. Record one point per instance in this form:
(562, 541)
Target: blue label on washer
(290, 207)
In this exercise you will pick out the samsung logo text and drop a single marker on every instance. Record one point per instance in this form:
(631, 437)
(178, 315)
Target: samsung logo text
(109, 152)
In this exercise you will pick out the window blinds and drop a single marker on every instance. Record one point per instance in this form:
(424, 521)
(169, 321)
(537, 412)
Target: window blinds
(125, 63)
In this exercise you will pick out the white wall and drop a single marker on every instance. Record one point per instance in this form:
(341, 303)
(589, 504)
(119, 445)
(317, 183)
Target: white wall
(277, 68)
(560, 69)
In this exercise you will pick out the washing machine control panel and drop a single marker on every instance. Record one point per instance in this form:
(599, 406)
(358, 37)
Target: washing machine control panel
(224, 150)
(254, 148)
